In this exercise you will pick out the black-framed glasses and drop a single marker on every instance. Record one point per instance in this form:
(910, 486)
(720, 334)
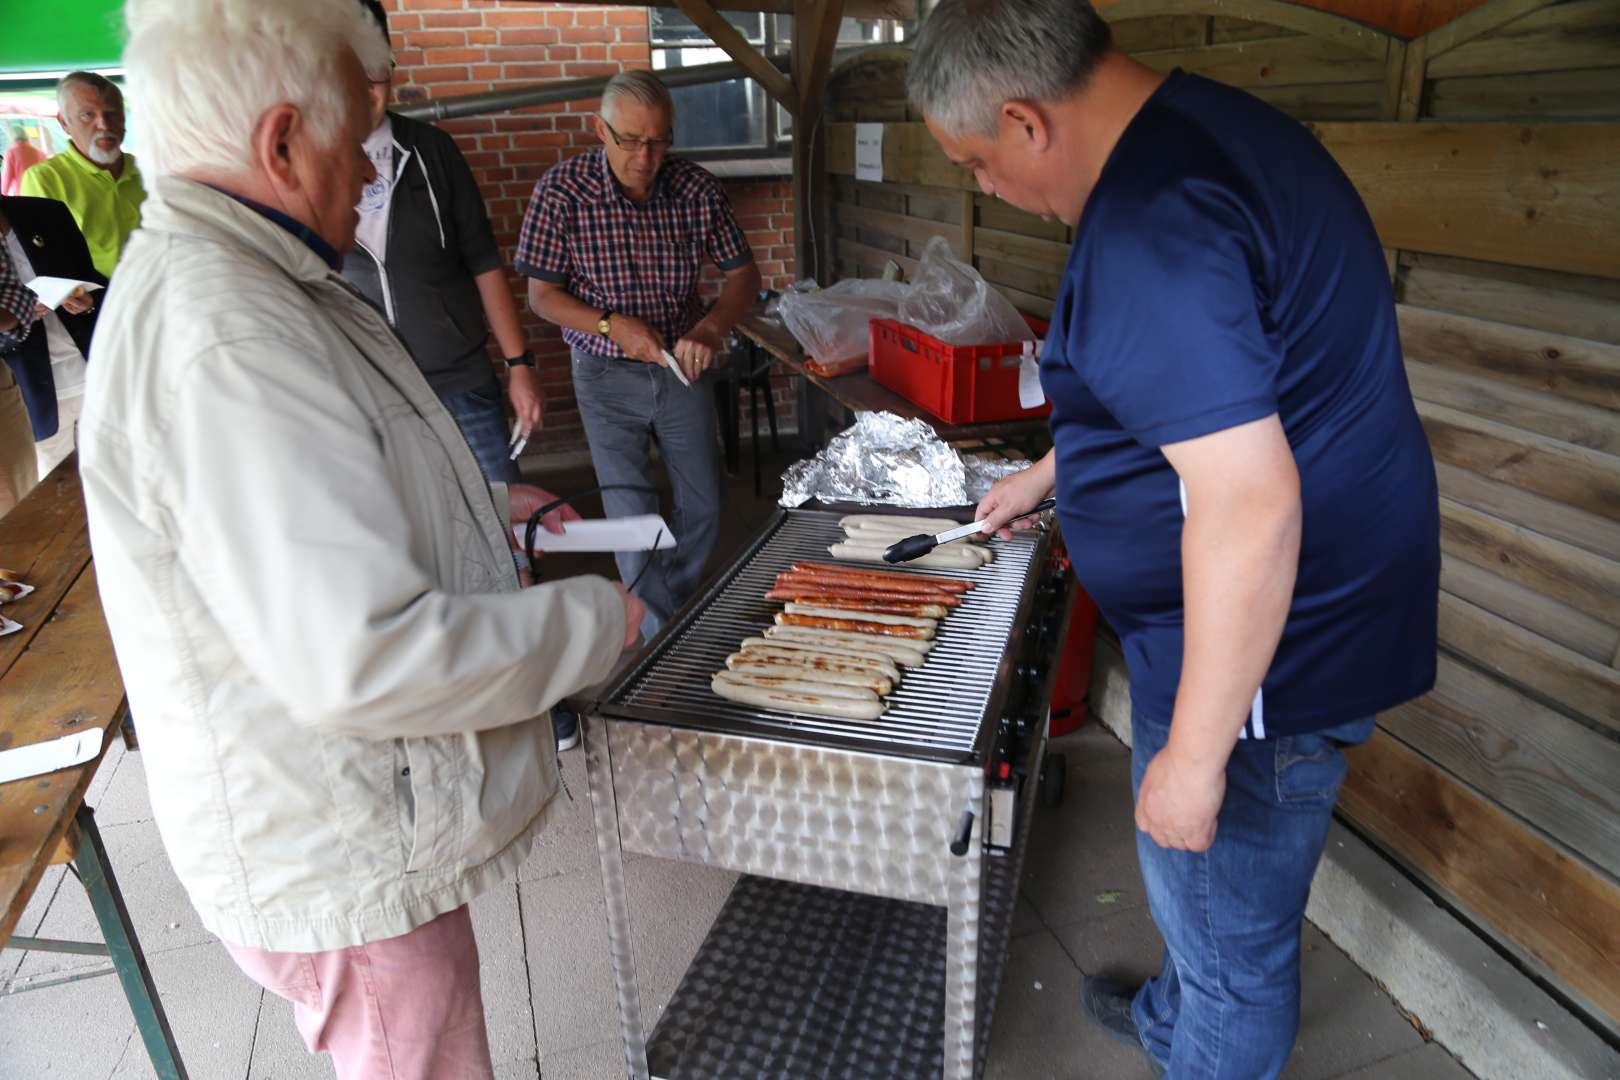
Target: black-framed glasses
(637, 145)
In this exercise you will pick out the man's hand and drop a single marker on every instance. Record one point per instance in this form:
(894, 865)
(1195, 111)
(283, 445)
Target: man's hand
(1178, 801)
(637, 339)
(634, 612)
(696, 351)
(1014, 496)
(526, 499)
(78, 302)
(528, 401)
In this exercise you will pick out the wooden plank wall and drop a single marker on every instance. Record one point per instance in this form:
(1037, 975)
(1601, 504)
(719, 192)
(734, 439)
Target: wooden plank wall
(1500, 211)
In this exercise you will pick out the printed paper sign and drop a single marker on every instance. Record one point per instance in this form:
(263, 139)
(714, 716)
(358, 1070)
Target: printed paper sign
(869, 152)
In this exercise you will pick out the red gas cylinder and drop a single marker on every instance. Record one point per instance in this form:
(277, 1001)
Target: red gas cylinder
(1074, 667)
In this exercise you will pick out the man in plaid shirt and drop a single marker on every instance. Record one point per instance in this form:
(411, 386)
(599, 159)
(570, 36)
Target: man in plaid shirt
(613, 243)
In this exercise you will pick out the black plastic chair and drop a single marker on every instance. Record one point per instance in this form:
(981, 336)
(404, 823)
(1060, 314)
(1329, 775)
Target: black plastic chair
(750, 367)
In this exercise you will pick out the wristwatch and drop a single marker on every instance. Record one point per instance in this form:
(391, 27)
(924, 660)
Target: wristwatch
(523, 359)
(604, 324)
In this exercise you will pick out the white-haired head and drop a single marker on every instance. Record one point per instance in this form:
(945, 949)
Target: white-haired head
(642, 87)
(972, 55)
(203, 73)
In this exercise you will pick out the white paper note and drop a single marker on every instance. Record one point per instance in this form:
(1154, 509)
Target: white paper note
(1030, 394)
(869, 152)
(639, 532)
(41, 758)
(53, 290)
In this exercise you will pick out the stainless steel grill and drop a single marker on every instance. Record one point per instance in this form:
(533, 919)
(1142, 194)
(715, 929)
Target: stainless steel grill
(921, 807)
(939, 711)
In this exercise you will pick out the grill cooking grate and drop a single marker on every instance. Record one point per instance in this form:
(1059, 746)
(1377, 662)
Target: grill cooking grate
(938, 711)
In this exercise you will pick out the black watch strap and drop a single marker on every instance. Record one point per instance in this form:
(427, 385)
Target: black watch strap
(524, 359)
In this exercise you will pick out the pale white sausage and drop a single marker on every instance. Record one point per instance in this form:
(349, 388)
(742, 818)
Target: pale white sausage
(810, 704)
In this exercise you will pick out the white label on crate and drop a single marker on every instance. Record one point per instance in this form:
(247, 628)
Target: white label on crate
(869, 152)
(1030, 394)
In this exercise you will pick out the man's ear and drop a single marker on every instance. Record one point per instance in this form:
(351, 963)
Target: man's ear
(273, 139)
(600, 127)
(1026, 120)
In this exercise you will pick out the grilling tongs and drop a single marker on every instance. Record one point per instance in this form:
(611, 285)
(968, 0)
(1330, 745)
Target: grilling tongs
(915, 547)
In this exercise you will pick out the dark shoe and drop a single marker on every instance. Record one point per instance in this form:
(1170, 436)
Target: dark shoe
(566, 724)
(1107, 1003)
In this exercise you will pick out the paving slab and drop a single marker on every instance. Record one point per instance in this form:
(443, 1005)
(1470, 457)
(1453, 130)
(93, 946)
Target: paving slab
(75, 1031)
(568, 843)
(503, 974)
(1123, 944)
(118, 792)
(278, 1049)
(1428, 1062)
(158, 906)
(1038, 1033)
(570, 979)
(213, 1025)
(595, 1061)
(1082, 853)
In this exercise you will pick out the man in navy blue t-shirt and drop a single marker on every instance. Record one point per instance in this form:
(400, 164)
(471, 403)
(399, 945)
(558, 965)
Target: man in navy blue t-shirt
(1240, 474)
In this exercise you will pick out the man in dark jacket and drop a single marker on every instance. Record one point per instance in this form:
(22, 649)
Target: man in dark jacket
(426, 256)
(46, 351)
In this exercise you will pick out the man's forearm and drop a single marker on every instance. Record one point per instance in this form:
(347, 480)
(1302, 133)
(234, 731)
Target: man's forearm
(556, 304)
(1239, 560)
(501, 312)
(736, 296)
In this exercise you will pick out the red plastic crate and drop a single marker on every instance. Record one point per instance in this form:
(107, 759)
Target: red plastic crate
(960, 384)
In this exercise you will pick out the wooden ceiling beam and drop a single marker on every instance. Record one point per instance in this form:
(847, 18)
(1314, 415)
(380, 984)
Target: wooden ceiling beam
(726, 36)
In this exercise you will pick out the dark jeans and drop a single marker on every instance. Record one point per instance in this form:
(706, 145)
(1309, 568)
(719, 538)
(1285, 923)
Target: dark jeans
(1225, 1005)
(625, 405)
(481, 415)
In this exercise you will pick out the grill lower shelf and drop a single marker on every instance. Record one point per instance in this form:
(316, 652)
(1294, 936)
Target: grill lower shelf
(795, 982)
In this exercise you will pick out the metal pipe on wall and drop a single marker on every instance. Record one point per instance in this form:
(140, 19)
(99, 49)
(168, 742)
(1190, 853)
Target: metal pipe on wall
(554, 92)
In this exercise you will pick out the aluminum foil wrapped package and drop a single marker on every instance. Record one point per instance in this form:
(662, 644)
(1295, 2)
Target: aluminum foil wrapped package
(886, 459)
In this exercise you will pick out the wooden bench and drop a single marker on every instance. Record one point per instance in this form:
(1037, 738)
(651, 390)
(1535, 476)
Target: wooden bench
(58, 675)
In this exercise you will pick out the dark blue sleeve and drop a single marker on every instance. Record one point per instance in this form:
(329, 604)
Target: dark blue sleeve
(1174, 346)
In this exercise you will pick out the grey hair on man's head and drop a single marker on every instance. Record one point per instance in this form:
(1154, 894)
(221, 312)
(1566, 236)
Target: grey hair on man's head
(973, 55)
(103, 87)
(642, 87)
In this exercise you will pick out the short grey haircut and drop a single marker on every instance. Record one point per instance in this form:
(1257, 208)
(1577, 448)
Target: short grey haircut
(973, 55)
(642, 87)
(103, 87)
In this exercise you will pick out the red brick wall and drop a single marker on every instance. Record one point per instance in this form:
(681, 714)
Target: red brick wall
(446, 48)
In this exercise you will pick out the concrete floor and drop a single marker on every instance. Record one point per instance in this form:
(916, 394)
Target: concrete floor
(547, 986)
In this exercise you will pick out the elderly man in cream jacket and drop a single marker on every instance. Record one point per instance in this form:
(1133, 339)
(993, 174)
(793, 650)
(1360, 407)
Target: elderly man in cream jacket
(342, 689)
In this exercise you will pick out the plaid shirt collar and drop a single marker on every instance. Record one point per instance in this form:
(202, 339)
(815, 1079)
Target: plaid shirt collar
(610, 190)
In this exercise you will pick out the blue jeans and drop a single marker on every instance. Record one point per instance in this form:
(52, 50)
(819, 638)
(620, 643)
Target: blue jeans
(1226, 1002)
(625, 405)
(480, 413)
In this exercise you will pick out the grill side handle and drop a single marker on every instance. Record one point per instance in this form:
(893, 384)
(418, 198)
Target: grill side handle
(964, 833)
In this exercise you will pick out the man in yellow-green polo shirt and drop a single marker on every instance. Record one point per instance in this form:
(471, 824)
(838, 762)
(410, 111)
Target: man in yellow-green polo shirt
(98, 181)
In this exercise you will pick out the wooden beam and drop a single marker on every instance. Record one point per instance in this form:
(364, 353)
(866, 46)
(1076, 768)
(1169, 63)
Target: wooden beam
(1559, 775)
(1482, 20)
(823, 28)
(719, 28)
(1318, 24)
(1584, 580)
(1546, 414)
(1539, 195)
(1568, 37)
(1285, 61)
(1552, 908)
(1554, 520)
(1572, 368)
(1552, 619)
(1577, 684)
(1558, 305)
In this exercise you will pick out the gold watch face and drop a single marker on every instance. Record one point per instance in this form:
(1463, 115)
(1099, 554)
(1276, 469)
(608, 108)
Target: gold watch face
(603, 325)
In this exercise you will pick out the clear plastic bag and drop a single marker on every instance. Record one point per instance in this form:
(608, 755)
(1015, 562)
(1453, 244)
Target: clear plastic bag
(832, 324)
(949, 300)
(945, 298)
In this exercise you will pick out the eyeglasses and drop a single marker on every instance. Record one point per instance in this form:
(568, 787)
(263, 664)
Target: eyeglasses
(638, 145)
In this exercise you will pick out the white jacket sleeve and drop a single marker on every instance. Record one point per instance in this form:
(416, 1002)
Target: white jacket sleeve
(300, 540)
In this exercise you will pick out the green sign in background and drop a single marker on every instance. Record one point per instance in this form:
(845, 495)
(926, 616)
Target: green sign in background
(60, 35)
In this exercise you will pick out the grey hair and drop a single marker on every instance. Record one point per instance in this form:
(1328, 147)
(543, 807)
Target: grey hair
(642, 87)
(103, 87)
(973, 55)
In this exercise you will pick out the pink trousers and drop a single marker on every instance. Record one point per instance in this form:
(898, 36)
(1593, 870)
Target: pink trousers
(408, 1008)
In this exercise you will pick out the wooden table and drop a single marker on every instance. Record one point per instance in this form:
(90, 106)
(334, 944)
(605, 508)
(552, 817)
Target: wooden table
(861, 393)
(58, 675)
